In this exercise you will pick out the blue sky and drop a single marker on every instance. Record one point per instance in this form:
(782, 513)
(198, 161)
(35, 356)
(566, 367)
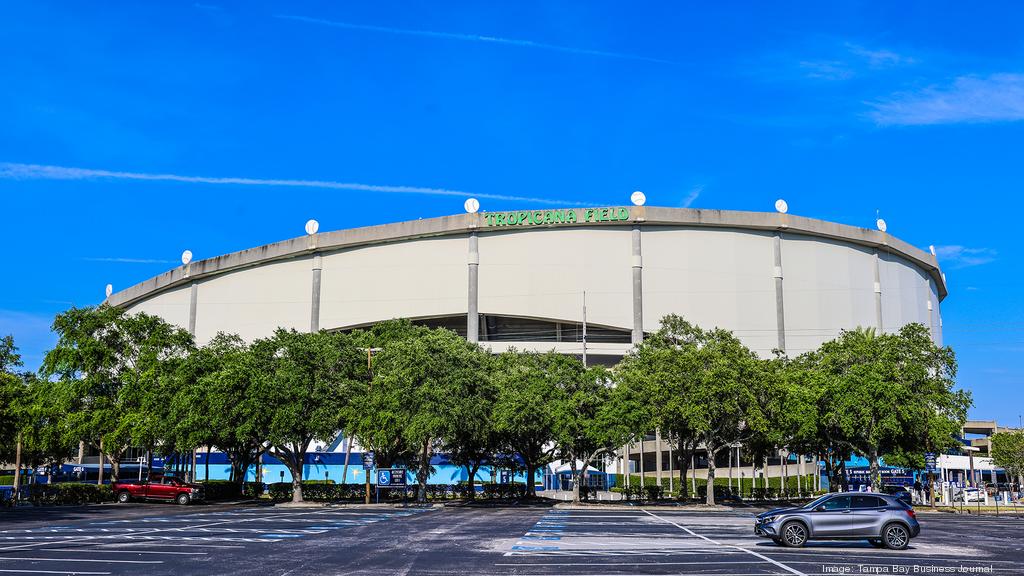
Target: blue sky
(263, 115)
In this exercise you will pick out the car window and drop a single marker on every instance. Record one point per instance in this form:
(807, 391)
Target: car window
(817, 502)
(867, 502)
(837, 503)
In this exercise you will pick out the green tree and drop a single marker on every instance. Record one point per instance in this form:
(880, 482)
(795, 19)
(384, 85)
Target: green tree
(13, 399)
(306, 386)
(528, 385)
(1008, 452)
(376, 420)
(416, 388)
(655, 389)
(106, 362)
(730, 396)
(217, 402)
(471, 439)
(890, 393)
(587, 422)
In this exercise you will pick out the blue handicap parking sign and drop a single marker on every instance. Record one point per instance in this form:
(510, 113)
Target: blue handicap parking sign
(391, 478)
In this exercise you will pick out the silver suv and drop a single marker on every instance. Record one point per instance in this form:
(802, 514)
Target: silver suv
(880, 518)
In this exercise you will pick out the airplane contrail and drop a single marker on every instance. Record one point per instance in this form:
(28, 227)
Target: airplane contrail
(14, 171)
(471, 38)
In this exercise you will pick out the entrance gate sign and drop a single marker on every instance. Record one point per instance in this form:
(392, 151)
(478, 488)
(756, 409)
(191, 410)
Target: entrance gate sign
(369, 459)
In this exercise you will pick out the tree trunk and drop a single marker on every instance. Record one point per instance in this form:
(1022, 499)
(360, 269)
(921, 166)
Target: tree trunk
(424, 472)
(17, 469)
(531, 490)
(206, 464)
(348, 455)
(684, 468)
(710, 500)
(99, 477)
(295, 465)
(876, 484)
(471, 479)
(577, 479)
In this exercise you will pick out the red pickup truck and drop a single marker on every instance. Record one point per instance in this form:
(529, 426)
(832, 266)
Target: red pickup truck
(157, 488)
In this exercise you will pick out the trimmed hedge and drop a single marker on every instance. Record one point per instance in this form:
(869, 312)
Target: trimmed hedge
(229, 490)
(69, 493)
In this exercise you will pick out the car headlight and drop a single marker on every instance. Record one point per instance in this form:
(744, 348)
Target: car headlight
(768, 519)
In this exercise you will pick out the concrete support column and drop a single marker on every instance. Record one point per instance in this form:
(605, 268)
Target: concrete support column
(314, 308)
(780, 310)
(878, 295)
(192, 298)
(638, 292)
(473, 310)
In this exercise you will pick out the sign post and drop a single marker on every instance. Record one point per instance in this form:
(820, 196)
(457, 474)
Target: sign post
(368, 462)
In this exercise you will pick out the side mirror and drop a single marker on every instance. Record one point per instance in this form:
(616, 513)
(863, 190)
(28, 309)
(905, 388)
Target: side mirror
(820, 508)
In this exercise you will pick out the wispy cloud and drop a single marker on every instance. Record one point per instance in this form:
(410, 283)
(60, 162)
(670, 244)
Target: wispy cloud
(879, 57)
(996, 98)
(692, 196)
(472, 38)
(963, 257)
(826, 69)
(129, 260)
(851, 60)
(12, 171)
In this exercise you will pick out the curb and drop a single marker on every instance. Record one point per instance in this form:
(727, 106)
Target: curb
(623, 507)
(389, 506)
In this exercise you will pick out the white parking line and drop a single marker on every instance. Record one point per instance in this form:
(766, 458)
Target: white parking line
(16, 571)
(155, 530)
(122, 551)
(40, 559)
(751, 552)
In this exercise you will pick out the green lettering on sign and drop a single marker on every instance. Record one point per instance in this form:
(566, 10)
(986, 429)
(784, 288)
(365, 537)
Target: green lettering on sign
(554, 217)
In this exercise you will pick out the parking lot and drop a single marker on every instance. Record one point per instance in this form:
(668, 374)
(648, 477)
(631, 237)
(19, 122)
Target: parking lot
(164, 539)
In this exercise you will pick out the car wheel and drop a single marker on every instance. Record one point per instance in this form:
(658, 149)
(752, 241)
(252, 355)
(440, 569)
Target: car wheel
(794, 534)
(895, 537)
(182, 499)
(124, 497)
(876, 543)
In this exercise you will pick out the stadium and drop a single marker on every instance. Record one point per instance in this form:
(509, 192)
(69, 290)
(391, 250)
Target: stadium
(584, 281)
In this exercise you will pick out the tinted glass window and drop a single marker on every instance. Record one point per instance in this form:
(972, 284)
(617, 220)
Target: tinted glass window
(837, 503)
(868, 502)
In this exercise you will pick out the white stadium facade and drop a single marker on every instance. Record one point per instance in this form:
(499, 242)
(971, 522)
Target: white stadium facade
(521, 278)
(530, 279)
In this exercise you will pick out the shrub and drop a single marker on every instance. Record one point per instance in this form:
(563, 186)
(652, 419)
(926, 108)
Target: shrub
(222, 490)
(280, 491)
(253, 489)
(504, 491)
(69, 494)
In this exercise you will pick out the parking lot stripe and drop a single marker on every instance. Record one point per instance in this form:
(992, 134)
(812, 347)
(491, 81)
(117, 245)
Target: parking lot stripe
(40, 559)
(122, 551)
(16, 571)
(751, 552)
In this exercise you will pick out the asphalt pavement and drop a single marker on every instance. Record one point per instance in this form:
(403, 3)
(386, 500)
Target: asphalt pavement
(157, 539)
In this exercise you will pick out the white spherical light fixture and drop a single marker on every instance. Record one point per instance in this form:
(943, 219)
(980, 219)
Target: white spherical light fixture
(312, 226)
(781, 206)
(881, 225)
(471, 205)
(638, 198)
(186, 257)
(109, 290)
